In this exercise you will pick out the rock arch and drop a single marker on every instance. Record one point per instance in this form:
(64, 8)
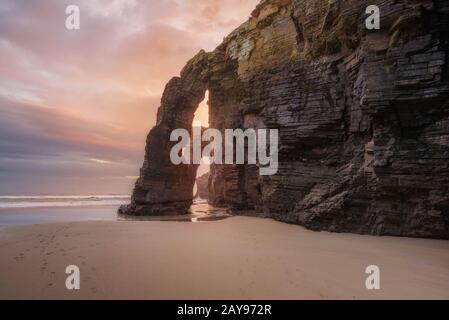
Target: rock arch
(363, 119)
(164, 188)
(167, 189)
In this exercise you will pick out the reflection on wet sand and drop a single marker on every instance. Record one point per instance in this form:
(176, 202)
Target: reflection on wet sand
(200, 211)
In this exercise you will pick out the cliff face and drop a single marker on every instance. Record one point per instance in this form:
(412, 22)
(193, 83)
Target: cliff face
(363, 118)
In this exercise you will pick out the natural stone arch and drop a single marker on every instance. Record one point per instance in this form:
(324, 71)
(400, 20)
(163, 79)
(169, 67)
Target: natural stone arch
(363, 123)
(164, 188)
(167, 189)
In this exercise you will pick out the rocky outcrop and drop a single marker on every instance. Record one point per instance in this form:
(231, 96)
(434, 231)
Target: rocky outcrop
(202, 184)
(363, 118)
(164, 188)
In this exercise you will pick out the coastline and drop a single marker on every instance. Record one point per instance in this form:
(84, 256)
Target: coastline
(235, 258)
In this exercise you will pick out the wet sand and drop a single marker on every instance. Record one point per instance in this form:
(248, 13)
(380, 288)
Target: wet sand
(43, 215)
(235, 258)
(200, 211)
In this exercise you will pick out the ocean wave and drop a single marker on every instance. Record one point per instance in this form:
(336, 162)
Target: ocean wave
(61, 201)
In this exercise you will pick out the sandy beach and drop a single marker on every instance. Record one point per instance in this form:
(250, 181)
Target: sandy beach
(236, 258)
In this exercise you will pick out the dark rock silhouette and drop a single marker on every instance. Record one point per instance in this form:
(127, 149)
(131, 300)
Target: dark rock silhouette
(202, 184)
(363, 118)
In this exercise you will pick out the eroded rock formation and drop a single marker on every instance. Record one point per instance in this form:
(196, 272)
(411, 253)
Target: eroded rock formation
(202, 184)
(363, 118)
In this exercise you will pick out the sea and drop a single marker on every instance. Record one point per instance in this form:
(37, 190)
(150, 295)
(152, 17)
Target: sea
(29, 210)
(23, 210)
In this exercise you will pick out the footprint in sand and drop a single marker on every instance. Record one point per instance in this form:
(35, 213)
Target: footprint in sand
(20, 257)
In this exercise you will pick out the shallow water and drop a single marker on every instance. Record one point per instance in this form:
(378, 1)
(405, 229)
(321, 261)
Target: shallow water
(33, 211)
(7, 202)
(42, 215)
(200, 211)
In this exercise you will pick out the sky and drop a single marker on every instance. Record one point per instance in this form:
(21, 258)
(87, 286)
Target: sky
(76, 105)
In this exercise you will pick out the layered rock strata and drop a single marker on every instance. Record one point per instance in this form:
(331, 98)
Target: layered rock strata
(363, 118)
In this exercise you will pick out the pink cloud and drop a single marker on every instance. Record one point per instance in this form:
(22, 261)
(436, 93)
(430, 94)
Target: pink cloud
(101, 85)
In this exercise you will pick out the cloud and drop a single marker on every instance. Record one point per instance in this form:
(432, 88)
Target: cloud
(67, 97)
(46, 150)
(28, 129)
(100, 161)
